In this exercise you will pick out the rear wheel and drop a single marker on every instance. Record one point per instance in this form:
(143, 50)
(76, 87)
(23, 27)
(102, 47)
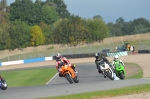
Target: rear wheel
(69, 78)
(122, 75)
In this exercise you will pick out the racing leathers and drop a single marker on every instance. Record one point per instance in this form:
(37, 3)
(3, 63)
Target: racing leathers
(65, 61)
(98, 60)
(116, 63)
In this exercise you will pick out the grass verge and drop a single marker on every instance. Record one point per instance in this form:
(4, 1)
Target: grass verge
(107, 93)
(18, 78)
(135, 71)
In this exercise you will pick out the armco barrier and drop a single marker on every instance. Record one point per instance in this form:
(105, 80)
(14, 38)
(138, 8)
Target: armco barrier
(67, 56)
(12, 62)
(26, 61)
(80, 55)
(34, 60)
(105, 50)
(124, 53)
(143, 51)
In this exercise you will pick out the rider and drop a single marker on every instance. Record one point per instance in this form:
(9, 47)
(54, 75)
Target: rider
(117, 60)
(100, 57)
(59, 59)
(0, 77)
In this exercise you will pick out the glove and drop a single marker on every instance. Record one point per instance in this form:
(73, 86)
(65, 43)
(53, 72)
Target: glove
(68, 64)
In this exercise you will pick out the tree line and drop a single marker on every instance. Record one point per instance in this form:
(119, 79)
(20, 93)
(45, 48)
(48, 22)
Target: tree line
(25, 23)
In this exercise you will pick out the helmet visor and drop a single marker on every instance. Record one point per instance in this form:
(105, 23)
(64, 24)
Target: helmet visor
(57, 57)
(116, 59)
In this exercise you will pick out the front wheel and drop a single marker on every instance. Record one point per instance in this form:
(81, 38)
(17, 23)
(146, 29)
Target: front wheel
(110, 75)
(76, 80)
(4, 85)
(69, 78)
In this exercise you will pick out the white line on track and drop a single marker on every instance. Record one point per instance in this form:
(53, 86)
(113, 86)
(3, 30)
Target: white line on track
(146, 78)
(51, 79)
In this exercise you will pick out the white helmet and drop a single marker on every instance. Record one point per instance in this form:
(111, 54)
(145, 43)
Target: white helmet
(58, 56)
(116, 58)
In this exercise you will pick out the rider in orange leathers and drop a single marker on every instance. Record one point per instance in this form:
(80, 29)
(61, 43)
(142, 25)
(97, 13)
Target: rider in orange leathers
(60, 59)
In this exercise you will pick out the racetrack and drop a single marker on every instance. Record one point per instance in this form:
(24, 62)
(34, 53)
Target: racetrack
(90, 80)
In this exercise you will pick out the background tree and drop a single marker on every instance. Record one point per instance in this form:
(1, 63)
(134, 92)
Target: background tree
(47, 32)
(98, 17)
(4, 12)
(60, 32)
(4, 25)
(25, 11)
(98, 29)
(76, 28)
(49, 14)
(4, 39)
(37, 11)
(61, 8)
(70, 31)
(141, 25)
(20, 35)
(37, 37)
(128, 28)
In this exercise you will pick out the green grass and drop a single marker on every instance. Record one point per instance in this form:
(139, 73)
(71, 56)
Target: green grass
(139, 72)
(106, 93)
(31, 77)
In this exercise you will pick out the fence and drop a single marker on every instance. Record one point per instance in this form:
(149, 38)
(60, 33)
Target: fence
(142, 42)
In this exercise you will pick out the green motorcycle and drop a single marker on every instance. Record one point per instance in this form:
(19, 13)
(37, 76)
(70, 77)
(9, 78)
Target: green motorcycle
(120, 71)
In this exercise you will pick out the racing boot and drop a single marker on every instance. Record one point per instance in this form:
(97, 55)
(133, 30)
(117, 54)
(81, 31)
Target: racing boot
(99, 71)
(74, 68)
(104, 76)
(60, 74)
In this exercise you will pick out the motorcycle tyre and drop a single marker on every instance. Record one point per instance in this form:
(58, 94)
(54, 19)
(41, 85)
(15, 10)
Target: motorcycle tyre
(76, 80)
(4, 88)
(69, 78)
(122, 76)
(109, 75)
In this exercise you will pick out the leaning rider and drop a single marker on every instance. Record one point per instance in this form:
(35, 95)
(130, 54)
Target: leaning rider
(100, 57)
(117, 61)
(60, 59)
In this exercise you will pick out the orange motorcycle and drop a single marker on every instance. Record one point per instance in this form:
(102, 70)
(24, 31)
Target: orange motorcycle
(68, 73)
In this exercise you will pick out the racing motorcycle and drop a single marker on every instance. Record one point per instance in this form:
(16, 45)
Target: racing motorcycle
(68, 73)
(120, 71)
(3, 83)
(106, 70)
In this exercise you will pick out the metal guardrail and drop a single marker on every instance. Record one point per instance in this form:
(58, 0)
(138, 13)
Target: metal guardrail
(67, 51)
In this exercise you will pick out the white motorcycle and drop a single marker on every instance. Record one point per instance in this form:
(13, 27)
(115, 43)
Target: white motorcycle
(106, 70)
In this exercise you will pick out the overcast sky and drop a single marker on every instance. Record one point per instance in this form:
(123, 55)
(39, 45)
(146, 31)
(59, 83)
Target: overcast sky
(110, 10)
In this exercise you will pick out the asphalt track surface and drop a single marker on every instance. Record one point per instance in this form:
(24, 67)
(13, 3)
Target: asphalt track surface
(89, 80)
